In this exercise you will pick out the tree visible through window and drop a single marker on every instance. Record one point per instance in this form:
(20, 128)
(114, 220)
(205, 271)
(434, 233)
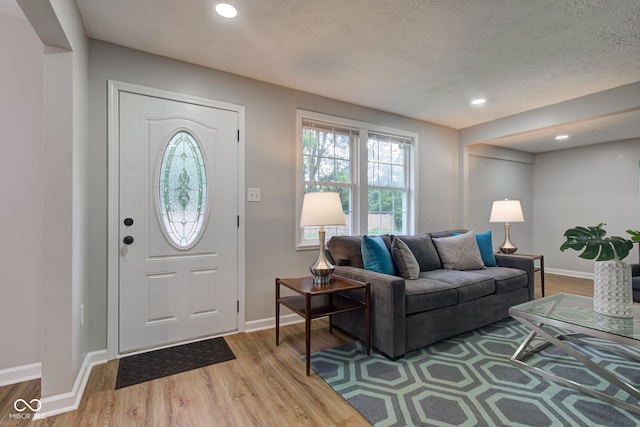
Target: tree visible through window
(387, 184)
(326, 166)
(370, 167)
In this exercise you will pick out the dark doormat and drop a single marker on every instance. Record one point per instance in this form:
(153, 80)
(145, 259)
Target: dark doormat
(169, 361)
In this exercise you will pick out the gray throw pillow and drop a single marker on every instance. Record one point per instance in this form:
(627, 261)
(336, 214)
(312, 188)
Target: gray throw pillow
(423, 249)
(459, 252)
(406, 264)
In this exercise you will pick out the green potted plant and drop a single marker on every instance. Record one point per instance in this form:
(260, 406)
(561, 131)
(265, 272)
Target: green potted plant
(635, 237)
(612, 294)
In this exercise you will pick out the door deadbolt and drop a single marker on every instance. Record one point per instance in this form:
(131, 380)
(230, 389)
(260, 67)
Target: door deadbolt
(128, 222)
(127, 240)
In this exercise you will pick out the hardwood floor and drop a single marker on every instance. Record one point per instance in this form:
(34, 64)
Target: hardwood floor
(554, 284)
(264, 386)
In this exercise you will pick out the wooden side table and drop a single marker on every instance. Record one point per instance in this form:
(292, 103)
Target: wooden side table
(316, 301)
(540, 269)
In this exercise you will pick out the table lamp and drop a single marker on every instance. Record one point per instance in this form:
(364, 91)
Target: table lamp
(506, 211)
(320, 209)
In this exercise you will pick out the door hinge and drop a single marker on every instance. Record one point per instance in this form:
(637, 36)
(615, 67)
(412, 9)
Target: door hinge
(238, 225)
(238, 135)
(237, 306)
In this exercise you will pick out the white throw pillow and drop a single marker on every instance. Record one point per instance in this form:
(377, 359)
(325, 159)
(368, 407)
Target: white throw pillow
(459, 252)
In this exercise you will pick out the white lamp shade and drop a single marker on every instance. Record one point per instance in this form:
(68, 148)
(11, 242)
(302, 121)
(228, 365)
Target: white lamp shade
(506, 211)
(320, 209)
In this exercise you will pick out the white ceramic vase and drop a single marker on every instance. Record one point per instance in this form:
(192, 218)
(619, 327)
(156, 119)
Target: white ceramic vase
(612, 293)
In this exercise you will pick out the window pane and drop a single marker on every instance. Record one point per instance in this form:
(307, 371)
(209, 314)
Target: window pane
(343, 147)
(387, 162)
(326, 156)
(397, 176)
(387, 211)
(309, 166)
(384, 154)
(182, 190)
(387, 170)
(397, 156)
(327, 170)
(384, 174)
(372, 149)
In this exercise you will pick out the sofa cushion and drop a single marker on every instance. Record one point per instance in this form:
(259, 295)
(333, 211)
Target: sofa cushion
(426, 294)
(422, 248)
(459, 252)
(347, 250)
(376, 256)
(506, 279)
(469, 285)
(485, 246)
(406, 264)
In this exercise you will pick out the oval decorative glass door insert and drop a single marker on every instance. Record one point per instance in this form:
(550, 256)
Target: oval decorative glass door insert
(182, 190)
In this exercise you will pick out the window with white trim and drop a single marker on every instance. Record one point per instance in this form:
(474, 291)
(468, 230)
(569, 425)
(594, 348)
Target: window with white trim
(388, 183)
(370, 166)
(327, 166)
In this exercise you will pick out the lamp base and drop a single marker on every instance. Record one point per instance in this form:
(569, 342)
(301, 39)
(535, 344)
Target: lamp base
(321, 277)
(322, 268)
(507, 247)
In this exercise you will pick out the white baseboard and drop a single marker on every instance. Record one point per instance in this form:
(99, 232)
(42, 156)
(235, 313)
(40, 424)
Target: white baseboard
(258, 325)
(20, 374)
(570, 273)
(65, 402)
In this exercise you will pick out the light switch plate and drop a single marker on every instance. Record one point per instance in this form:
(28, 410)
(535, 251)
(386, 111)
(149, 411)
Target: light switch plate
(253, 194)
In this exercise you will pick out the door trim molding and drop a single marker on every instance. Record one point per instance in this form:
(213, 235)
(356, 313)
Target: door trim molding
(113, 200)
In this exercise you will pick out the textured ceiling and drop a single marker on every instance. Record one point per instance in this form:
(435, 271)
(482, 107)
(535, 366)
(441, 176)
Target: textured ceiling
(419, 58)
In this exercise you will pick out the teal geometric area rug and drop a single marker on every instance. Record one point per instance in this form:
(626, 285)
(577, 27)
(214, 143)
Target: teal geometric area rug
(469, 381)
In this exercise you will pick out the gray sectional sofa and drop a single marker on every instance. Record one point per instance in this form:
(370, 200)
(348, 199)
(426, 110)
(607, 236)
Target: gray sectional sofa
(407, 314)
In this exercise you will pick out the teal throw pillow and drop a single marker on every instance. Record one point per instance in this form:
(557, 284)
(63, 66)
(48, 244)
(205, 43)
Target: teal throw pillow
(485, 245)
(375, 255)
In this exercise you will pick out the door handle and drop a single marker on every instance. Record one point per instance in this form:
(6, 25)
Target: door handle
(128, 222)
(127, 240)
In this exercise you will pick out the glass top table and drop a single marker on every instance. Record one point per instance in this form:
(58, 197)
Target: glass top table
(562, 309)
(544, 317)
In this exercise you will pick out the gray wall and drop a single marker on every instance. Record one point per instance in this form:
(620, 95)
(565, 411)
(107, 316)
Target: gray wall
(45, 167)
(558, 190)
(64, 131)
(270, 164)
(496, 174)
(21, 191)
(585, 186)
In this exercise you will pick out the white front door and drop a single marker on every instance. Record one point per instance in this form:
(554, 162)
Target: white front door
(178, 260)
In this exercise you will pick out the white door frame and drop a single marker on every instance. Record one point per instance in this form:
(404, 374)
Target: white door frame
(113, 201)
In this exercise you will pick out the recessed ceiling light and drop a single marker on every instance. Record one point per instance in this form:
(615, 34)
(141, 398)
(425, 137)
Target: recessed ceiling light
(226, 10)
(478, 101)
(562, 137)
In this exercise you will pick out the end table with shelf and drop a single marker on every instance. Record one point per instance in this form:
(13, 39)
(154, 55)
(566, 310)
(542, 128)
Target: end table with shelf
(536, 268)
(314, 301)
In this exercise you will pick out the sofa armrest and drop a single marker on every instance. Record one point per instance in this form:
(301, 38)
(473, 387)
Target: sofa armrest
(521, 262)
(388, 313)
